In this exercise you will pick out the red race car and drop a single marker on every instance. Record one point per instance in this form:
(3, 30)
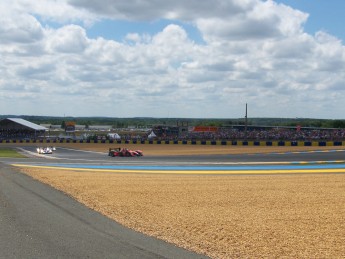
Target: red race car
(124, 152)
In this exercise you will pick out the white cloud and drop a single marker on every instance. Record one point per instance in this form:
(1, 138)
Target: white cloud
(135, 37)
(48, 10)
(19, 29)
(254, 52)
(156, 9)
(68, 39)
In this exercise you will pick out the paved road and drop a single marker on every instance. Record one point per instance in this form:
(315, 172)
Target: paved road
(65, 155)
(37, 221)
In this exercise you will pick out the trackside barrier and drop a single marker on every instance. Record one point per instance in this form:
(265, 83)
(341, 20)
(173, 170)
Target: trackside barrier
(184, 142)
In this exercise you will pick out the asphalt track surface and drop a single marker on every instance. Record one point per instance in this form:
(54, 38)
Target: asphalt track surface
(37, 221)
(331, 161)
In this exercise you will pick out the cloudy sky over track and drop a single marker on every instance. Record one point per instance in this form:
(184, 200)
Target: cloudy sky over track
(176, 58)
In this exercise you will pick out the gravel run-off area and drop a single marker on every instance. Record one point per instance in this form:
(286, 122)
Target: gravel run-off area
(222, 216)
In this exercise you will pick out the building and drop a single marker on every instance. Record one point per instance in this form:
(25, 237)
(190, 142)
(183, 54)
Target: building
(16, 128)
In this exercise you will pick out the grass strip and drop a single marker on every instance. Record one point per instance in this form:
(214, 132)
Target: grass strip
(10, 152)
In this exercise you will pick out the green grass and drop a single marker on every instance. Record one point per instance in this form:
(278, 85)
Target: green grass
(10, 152)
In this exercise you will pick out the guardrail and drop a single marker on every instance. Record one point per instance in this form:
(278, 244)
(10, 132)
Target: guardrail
(187, 142)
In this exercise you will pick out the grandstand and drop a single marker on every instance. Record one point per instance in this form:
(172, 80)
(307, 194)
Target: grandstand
(16, 128)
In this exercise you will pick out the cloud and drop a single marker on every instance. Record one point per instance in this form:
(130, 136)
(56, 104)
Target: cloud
(19, 28)
(254, 52)
(155, 9)
(53, 11)
(68, 39)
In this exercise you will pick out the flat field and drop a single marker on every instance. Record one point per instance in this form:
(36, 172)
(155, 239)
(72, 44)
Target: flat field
(255, 216)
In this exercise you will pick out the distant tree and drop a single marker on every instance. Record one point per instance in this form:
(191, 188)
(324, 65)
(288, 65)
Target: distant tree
(119, 125)
(63, 125)
(338, 124)
(87, 124)
(316, 123)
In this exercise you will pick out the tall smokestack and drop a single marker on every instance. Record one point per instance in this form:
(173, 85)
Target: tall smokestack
(246, 123)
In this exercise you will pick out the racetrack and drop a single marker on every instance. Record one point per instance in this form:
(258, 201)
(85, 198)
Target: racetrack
(311, 161)
(37, 221)
(295, 215)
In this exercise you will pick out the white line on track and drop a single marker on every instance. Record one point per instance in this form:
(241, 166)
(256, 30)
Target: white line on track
(178, 163)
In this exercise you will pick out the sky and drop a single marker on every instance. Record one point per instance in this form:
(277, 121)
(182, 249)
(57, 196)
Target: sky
(173, 59)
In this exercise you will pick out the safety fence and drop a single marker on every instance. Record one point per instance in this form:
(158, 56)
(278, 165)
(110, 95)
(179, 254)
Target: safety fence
(186, 142)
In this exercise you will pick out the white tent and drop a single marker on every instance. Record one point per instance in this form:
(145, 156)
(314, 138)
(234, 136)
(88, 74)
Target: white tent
(114, 136)
(151, 135)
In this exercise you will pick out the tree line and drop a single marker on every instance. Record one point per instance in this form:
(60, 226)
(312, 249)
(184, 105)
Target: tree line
(143, 122)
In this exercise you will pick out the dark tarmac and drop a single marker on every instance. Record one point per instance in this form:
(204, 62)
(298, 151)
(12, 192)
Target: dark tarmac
(37, 221)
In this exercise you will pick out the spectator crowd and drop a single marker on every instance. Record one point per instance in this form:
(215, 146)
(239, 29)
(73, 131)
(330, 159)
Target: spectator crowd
(16, 134)
(273, 134)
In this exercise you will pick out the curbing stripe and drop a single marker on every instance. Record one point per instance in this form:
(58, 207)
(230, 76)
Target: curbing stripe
(190, 142)
(202, 172)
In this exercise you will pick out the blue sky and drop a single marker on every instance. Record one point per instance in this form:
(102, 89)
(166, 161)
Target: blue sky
(183, 59)
(323, 15)
(117, 30)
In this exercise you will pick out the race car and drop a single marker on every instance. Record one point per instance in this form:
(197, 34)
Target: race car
(44, 150)
(124, 152)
